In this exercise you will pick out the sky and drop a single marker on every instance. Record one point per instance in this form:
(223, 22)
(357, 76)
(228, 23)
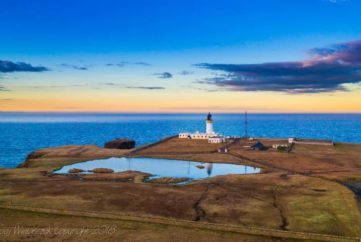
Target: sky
(180, 56)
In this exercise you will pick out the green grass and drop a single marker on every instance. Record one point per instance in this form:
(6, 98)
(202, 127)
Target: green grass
(334, 211)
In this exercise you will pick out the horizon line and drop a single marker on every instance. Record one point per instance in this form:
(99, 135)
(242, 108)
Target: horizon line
(147, 112)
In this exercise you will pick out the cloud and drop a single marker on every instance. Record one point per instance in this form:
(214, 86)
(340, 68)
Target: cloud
(110, 84)
(124, 63)
(58, 86)
(186, 73)
(132, 87)
(6, 99)
(75, 67)
(145, 88)
(336, 1)
(3, 89)
(164, 75)
(142, 63)
(205, 89)
(120, 64)
(327, 70)
(9, 66)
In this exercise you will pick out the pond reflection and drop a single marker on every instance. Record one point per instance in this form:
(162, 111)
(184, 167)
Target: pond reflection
(164, 167)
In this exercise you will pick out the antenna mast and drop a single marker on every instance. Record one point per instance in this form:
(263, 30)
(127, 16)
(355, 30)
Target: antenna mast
(245, 125)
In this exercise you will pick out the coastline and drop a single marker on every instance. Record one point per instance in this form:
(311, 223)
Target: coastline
(292, 193)
(26, 133)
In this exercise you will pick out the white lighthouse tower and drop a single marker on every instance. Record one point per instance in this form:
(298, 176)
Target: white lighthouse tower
(209, 124)
(210, 135)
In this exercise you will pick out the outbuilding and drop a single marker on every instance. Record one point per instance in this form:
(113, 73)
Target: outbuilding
(217, 139)
(258, 146)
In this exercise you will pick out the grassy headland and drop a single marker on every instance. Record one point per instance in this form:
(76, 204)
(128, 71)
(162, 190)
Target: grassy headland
(299, 191)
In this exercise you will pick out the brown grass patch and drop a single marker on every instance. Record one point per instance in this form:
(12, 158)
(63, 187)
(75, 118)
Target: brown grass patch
(102, 170)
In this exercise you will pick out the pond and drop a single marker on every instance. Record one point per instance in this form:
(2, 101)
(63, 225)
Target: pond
(163, 167)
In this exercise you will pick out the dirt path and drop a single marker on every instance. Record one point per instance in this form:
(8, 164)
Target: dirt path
(276, 204)
(200, 212)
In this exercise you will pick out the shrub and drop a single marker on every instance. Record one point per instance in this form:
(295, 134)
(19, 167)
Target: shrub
(282, 148)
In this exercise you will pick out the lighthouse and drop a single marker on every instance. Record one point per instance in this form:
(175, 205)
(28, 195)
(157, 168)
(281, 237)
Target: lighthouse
(210, 135)
(209, 124)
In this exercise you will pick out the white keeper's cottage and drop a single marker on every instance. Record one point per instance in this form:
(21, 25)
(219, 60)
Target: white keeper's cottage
(209, 135)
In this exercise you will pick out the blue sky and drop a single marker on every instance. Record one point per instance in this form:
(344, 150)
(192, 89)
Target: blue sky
(132, 43)
(63, 27)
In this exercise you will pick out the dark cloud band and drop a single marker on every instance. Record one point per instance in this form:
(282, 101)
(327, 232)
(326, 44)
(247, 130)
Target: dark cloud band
(9, 66)
(327, 70)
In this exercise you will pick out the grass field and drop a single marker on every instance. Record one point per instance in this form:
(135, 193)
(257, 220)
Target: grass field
(30, 226)
(297, 191)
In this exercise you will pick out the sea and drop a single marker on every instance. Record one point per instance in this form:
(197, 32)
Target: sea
(22, 133)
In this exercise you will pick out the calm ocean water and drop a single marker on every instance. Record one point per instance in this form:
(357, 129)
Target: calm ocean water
(21, 133)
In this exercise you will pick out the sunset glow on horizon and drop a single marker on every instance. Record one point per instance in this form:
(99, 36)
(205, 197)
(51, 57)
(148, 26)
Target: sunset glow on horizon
(187, 56)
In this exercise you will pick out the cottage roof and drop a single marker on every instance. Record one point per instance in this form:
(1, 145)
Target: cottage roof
(259, 146)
